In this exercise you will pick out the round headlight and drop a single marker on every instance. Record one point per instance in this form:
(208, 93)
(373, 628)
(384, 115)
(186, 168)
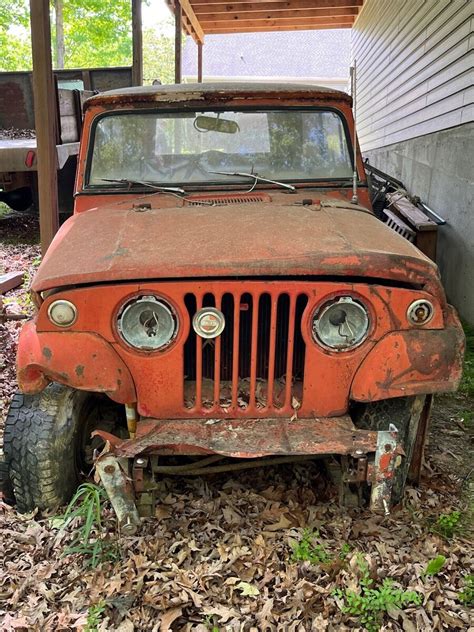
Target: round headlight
(62, 313)
(341, 324)
(147, 323)
(420, 312)
(208, 322)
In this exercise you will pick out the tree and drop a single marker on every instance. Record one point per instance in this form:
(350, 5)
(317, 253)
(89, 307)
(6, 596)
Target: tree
(14, 35)
(158, 56)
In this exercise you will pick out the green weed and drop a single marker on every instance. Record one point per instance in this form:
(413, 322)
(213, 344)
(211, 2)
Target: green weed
(345, 550)
(370, 603)
(308, 549)
(94, 616)
(89, 540)
(467, 382)
(209, 623)
(466, 596)
(447, 524)
(434, 566)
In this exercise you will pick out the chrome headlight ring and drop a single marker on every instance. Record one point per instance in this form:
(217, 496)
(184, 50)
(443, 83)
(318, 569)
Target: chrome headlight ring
(341, 324)
(147, 323)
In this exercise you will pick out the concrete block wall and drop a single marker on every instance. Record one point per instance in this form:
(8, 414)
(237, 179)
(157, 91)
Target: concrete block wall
(439, 167)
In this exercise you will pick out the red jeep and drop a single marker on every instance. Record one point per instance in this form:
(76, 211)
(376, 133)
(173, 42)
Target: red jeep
(223, 289)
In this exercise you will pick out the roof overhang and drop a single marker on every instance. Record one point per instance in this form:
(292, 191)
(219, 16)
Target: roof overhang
(206, 17)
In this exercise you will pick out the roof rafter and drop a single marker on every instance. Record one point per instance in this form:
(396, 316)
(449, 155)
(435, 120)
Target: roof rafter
(201, 17)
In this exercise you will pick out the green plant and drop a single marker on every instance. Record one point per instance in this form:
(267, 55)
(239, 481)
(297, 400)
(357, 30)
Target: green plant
(345, 550)
(209, 623)
(370, 603)
(89, 541)
(434, 566)
(308, 549)
(467, 382)
(466, 596)
(94, 616)
(447, 524)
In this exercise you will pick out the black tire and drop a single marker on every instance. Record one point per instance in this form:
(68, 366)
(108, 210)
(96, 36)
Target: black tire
(46, 445)
(5, 483)
(404, 413)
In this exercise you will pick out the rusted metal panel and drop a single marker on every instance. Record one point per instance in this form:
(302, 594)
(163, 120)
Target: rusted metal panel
(159, 377)
(182, 241)
(82, 360)
(247, 438)
(412, 363)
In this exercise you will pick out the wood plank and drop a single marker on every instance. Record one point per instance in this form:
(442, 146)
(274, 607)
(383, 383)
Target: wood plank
(189, 18)
(415, 216)
(267, 29)
(277, 15)
(178, 15)
(10, 280)
(199, 62)
(344, 21)
(45, 120)
(137, 43)
(200, 6)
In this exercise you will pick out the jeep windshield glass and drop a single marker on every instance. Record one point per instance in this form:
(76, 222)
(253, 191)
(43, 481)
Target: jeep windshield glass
(183, 148)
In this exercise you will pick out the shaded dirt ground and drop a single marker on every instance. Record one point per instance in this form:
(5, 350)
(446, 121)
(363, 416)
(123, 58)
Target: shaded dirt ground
(219, 554)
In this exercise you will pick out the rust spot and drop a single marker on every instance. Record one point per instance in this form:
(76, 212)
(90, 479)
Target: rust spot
(47, 353)
(79, 370)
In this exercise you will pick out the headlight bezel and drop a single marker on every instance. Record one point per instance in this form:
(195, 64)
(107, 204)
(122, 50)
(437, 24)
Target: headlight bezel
(66, 303)
(327, 303)
(128, 302)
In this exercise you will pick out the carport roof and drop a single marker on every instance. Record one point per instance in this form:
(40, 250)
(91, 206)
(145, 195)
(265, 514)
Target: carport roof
(203, 17)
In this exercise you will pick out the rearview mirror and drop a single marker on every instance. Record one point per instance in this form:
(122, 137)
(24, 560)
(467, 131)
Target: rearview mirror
(215, 124)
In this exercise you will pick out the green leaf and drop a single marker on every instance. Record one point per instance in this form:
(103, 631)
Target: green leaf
(434, 566)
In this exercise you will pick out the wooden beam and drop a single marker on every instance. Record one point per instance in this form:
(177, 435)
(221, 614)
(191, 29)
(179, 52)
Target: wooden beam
(45, 120)
(343, 21)
(10, 281)
(278, 15)
(137, 43)
(178, 18)
(190, 14)
(201, 6)
(199, 60)
(268, 29)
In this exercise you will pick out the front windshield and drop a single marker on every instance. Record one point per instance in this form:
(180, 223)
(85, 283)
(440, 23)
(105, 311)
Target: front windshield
(187, 147)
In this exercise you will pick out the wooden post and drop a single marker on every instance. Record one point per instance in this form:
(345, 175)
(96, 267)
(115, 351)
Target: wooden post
(199, 62)
(178, 18)
(137, 43)
(45, 120)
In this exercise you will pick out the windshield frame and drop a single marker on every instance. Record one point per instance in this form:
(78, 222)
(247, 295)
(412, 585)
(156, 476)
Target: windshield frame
(212, 184)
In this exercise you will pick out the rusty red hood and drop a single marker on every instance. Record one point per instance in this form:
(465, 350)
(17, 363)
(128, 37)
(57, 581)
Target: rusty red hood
(118, 243)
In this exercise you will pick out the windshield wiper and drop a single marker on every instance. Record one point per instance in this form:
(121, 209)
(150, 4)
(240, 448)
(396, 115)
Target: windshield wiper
(176, 191)
(256, 179)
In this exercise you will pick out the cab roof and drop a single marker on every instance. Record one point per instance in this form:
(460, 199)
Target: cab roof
(179, 93)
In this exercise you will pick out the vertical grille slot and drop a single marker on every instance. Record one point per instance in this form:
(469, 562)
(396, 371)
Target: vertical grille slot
(256, 365)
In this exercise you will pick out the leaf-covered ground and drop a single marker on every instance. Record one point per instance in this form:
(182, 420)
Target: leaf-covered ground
(259, 550)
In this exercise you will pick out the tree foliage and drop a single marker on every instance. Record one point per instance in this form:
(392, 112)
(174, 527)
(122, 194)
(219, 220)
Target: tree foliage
(96, 33)
(15, 44)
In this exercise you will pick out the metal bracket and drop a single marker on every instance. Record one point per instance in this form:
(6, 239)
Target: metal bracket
(382, 470)
(118, 490)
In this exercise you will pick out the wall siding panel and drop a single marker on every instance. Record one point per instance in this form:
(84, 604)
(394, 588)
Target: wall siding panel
(415, 64)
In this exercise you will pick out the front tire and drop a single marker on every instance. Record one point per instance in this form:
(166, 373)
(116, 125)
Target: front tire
(46, 445)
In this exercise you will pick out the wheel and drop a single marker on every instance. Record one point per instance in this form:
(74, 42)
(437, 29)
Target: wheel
(402, 412)
(5, 483)
(47, 443)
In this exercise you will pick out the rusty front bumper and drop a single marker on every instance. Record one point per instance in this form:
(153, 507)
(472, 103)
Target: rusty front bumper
(373, 455)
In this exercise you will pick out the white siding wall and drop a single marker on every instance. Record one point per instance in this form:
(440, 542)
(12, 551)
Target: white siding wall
(415, 63)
